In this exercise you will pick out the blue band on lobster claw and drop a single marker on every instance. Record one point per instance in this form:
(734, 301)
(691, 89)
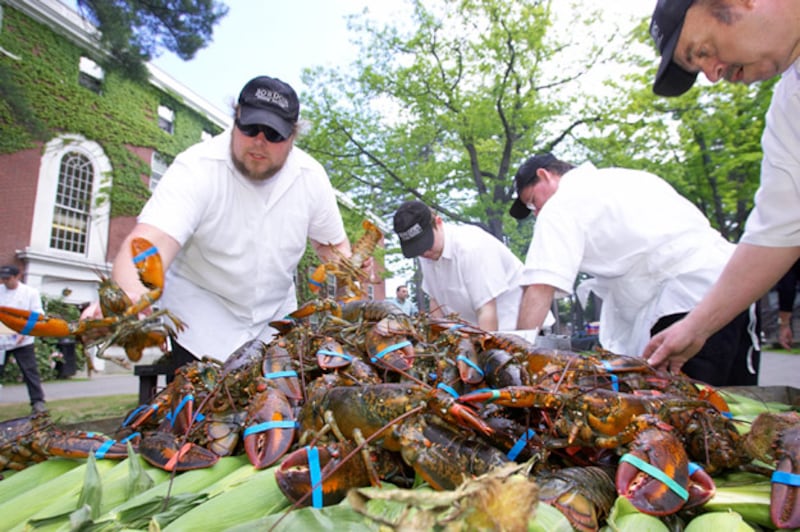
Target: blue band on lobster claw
(32, 319)
(470, 363)
(335, 354)
(269, 425)
(386, 350)
(315, 476)
(280, 374)
(312, 282)
(173, 415)
(456, 327)
(103, 449)
(657, 474)
(784, 477)
(614, 378)
(448, 389)
(128, 438)
(135, 412)
(149, 252)
(514, 452)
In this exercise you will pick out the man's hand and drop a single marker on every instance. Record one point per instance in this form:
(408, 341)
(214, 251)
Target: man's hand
(670, 349)
(785, 336)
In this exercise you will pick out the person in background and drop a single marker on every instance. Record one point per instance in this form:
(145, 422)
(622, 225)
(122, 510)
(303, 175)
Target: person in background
(651, 253)
(741, 42)
(404, 302)
(231, 218)
(14, 293)
(787, 291)
(465, 270)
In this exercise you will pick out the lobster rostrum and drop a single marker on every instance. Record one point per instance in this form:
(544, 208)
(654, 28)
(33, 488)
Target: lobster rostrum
(121, 324)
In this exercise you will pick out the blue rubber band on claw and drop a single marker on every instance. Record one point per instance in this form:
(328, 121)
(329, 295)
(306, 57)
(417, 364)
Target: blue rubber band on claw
(471, 364)
(269, 425)
(448, 389)
(386, 350)
(280, 374)
(784, 477)
(32, 319)
(657, 474)
(514, 452)
(330, 353)
(694, 468)
(149, 252)
(315, 476)
(614, 378)
(103, 449)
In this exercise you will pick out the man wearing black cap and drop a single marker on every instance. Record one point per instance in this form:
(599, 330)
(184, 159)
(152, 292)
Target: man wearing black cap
(231, 218)
(16, 294)
(739, 41)
(465, 270)
(651, 253)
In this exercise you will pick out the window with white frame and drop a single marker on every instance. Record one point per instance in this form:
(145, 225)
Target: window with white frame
(166, 119)
(158, 165)
(90, 75)
(72, 209)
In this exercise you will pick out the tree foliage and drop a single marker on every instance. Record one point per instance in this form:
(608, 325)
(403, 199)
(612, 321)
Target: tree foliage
(446, 111)
(446, 108)
(137, 30)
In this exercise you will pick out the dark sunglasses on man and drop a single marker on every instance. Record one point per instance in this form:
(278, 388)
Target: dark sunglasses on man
(253, 130)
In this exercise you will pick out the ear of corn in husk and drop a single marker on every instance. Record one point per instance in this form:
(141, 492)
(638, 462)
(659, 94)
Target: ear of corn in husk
(33, 476)
(727, 521)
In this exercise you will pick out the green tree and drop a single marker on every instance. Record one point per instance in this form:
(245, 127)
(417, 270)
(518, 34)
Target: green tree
(134, 31)
(447, 110)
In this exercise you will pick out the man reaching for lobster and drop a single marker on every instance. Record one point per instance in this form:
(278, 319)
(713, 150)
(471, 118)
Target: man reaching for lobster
(465, 270)
(652, 255)
(230, 218)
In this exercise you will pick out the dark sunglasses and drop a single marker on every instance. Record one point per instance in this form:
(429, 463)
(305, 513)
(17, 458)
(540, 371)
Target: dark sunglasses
(253, 130)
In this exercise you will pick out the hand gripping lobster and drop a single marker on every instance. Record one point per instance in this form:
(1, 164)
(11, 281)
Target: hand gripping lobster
(120, 324)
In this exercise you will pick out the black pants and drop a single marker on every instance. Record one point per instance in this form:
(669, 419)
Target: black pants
(728, 358)
(179, 356)
(26, 360)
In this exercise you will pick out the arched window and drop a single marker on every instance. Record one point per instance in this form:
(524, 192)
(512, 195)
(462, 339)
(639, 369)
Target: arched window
(73, 202)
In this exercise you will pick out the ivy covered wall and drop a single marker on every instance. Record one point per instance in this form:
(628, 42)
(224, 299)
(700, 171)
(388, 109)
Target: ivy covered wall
(40, 98)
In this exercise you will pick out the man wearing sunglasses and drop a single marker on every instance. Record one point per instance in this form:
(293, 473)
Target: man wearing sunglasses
(651, 253)
(231, 218)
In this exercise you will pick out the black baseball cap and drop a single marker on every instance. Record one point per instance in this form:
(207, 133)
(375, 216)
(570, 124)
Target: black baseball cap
(665, 28)
(413, 223)
(525, 176)
(270, 102)
(9, 270)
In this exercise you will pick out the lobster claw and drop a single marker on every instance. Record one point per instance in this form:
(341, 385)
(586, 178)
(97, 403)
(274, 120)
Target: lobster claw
(331, 355)
(785, 498)
(393, 351)
(80, 444)
(318, 475)
(270, 428)
(33, 323)
(317, 279)
(654, 475)
(164, 451)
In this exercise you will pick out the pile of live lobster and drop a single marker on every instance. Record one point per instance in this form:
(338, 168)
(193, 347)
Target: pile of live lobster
(352, 393)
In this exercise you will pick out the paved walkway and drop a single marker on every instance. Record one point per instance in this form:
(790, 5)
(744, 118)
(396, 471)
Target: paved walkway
(776, 370)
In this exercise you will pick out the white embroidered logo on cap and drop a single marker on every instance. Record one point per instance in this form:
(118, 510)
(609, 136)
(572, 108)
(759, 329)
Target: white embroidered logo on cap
(410, 233)
(273, 97)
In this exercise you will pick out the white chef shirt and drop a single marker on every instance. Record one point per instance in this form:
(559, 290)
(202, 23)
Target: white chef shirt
(475, 268)
(651, 252)
(241, 242)
(775, 218)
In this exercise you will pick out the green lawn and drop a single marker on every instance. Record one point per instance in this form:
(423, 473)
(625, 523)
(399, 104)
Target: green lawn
(76, 411)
